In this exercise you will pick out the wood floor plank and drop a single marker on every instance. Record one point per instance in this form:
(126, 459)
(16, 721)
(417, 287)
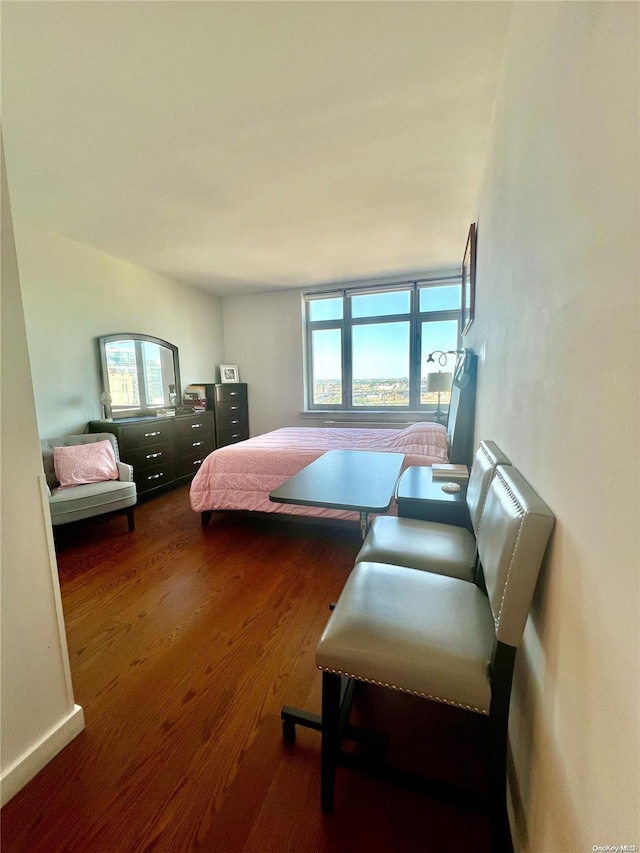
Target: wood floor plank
(184, 643)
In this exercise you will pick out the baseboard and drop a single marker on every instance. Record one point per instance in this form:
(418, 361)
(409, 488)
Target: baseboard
(32, 761)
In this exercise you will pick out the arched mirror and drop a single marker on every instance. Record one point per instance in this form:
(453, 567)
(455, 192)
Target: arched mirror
(139, 372)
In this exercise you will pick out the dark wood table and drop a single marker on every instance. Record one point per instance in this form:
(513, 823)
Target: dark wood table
(359, 480)
(420, 495)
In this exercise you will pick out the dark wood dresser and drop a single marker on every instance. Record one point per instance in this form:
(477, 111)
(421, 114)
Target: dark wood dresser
(163, 451)
(231, 409)
(229, 403)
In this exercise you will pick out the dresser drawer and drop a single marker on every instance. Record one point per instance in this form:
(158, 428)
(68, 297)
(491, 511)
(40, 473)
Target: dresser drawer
(153, 478)
(232, 393)
(188, 465)
(195, 444)
(230, 409)
(232, 420)
(154, 454)
(149, 432)
(231, 436)
(200, 425)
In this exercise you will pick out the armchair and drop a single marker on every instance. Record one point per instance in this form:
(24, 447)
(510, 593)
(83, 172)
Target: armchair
(90, 499)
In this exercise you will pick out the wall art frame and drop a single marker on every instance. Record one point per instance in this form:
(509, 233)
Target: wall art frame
(469, 280)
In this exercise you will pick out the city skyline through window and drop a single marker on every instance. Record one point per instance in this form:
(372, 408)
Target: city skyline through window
(122, 367)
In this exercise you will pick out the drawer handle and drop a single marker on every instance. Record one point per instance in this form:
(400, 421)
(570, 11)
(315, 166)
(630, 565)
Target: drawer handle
(198, 462)
(150, 434)
(232, 393)
(153, 455)
(233, 408)
(196, 426)
(236, 435)
(235, 422)
(155, 476)
(196, 443)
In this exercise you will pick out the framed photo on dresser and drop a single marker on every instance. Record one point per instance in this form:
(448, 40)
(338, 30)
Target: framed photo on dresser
(229, 373)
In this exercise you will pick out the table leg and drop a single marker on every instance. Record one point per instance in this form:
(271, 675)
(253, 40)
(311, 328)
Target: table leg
(364, 524)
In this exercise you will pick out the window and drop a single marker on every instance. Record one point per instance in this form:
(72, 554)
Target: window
(367, 348)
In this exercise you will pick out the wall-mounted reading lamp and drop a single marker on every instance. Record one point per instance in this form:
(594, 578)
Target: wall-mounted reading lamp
(442, 357)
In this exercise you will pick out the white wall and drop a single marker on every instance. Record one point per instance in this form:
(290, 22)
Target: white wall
(557, 332)
(37, 708)
(74, 294)
(263, 336)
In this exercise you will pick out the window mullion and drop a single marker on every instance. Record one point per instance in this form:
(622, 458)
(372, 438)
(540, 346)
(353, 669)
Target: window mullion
(347, 364)
(323, 324)
(432, 316)
(414, 351)
(384, 318)
(142, 376)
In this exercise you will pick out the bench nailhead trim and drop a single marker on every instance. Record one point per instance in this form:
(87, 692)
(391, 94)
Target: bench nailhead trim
(521, 512)
(493, 463)
(404, 690)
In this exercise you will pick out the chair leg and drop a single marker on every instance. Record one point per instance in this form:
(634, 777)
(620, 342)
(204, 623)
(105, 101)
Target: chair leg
(330, 738)
(130, 519)
(501, 680)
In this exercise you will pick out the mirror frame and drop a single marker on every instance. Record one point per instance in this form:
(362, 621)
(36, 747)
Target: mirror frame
(133, 336)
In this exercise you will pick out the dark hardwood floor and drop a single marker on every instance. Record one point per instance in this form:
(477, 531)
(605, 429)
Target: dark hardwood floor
(184, 643)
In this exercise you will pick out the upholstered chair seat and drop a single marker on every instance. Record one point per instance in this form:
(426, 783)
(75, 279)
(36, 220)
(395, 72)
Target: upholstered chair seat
(416, 632)
(425, 545)
(430, 546)
(87, 500)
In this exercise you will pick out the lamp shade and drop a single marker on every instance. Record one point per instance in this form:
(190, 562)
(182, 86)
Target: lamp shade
(439, 382)
(106, 397)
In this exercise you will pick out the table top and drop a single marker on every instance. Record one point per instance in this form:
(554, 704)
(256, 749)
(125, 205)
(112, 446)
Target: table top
(417, 484)
(359, 480)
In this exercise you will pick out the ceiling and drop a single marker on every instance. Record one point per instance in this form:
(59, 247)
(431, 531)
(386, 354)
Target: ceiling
(246, 146)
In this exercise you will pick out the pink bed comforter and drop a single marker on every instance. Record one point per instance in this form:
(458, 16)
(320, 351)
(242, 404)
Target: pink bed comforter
(240, 476)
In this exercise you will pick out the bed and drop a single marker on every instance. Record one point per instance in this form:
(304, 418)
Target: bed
(240, 476)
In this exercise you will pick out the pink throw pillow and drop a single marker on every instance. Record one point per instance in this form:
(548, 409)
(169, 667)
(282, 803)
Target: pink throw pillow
(85, 463)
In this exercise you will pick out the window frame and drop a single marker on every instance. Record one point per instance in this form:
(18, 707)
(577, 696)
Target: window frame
(414, 317)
